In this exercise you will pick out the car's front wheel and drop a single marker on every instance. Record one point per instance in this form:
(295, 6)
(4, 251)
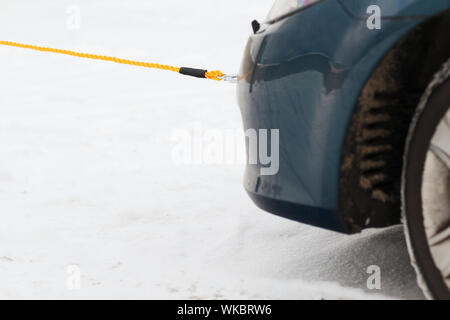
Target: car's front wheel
(426, 188)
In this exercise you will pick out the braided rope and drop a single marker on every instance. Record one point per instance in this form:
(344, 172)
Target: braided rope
(213, 75)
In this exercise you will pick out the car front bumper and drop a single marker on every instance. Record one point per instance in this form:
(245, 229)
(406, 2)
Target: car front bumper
(303, 75)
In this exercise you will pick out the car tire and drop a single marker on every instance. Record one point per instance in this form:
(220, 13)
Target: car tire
(426, 188)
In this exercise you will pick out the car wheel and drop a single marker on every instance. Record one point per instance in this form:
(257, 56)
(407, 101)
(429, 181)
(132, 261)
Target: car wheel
(426, 188)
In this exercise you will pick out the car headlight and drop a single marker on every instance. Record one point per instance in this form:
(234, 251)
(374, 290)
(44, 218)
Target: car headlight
(283, 7)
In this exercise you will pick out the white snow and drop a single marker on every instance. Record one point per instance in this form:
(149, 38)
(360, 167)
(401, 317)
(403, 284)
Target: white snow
(87, 176)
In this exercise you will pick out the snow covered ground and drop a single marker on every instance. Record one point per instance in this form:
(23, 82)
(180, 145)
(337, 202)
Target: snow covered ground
(88, 177)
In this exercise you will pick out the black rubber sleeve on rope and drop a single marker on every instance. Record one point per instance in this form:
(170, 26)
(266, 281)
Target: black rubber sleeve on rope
(198, 73)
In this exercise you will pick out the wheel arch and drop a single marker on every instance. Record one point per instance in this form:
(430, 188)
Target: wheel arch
(372, 153)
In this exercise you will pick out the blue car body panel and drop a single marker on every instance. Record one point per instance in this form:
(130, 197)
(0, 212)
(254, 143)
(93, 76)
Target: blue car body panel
(303, 75)
(396, 8)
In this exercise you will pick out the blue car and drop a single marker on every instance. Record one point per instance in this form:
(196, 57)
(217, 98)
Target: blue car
(350, 100)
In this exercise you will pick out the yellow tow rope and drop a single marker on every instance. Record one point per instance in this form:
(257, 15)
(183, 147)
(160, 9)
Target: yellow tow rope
(199, 73)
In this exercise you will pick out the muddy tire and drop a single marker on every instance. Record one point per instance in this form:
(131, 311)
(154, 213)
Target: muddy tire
(426, 188)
